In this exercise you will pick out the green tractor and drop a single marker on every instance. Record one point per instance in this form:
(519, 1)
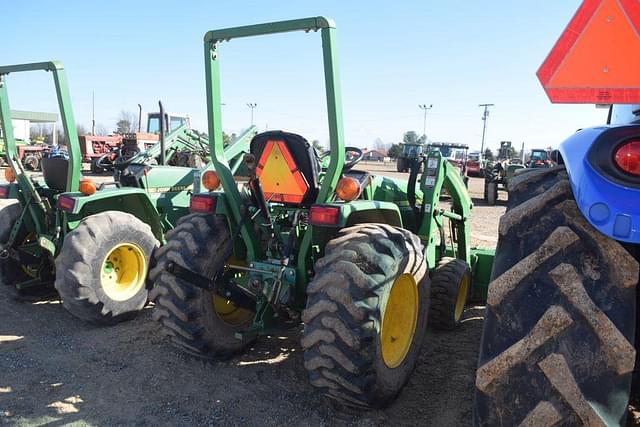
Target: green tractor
(361, 260)
(93, 243)
(497, 175)
(409, 154)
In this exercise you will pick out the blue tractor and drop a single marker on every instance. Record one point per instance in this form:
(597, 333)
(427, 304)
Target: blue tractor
(559, 340)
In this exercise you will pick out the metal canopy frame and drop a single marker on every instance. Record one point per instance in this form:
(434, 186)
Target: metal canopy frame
(68, 121)
(212, 41)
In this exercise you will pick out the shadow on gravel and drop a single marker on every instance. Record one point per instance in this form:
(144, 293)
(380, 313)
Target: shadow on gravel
(56, 370)
(479, 201)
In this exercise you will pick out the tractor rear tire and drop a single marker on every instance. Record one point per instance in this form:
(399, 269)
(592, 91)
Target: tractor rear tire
(188, 314)
(31, 162)
(366, 315)
(450, 291)
(491, 192)
(10, 211)
(557, 345)
(102, 268)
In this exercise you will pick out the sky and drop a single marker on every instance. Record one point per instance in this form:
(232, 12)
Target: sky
(393, 56)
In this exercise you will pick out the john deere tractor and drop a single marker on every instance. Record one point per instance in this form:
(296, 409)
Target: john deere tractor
(94, 243)
(362, 260)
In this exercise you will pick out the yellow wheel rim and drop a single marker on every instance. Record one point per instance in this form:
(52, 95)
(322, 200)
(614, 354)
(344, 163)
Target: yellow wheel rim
(123, 271)
(399, 321)
(229, 313)
(462, 298)
(226, 310)
(30, 270)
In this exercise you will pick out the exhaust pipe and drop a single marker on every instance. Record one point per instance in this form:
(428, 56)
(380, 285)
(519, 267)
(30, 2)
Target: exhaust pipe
(162, 129)
(139, 118)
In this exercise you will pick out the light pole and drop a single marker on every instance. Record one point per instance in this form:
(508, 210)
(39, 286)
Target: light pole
(485, 115)
(425, 107)
(252, 106)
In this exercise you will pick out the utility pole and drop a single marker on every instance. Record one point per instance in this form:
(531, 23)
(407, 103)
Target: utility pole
(252, 106)
(93, 113)
(425, 108)
(485, 115)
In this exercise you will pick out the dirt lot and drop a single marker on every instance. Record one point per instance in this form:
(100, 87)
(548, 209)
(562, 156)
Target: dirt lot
(56, 370)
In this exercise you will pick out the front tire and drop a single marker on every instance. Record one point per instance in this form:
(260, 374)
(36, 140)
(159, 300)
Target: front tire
(450, 291)
(102, 268)
(197, 321)
(366, 315)
(557, 345)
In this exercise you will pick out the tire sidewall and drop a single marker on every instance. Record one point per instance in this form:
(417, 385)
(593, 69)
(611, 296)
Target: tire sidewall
(394, 378)
(121, 232)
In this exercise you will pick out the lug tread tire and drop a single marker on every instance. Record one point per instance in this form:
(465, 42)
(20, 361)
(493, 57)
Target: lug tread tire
(557, 345)
(78, 266)
(184, 311)
(445, 286)
(343, 313)
(10, 210)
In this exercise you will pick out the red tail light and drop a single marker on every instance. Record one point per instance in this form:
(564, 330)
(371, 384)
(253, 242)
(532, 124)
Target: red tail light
(4, 191)
(627, 157)
(324, 215)
(66, 203)
(202, 204)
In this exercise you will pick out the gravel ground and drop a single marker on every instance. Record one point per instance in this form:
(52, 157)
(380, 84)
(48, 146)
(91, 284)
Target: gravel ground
(57, 370)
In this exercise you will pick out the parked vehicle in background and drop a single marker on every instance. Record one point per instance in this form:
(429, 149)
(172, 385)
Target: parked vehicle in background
(410, 153)
(539, 158)
(474, 167)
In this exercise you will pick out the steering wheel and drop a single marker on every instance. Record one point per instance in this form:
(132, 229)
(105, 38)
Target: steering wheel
(107, 159)
(347, 164)
(117, 158)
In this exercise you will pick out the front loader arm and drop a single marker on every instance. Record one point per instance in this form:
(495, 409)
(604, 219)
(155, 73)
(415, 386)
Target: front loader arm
(439, 174)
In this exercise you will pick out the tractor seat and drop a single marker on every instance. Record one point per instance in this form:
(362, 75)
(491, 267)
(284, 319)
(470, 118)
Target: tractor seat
(288, 167)
(54, 172)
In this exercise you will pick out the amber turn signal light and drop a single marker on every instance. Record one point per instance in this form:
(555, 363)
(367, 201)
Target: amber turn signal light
(87, 187)
(348, 189)
(9, 176)
(210, 180)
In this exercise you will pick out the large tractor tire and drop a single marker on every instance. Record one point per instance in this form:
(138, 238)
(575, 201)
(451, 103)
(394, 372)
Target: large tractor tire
(101, 270)
(558, 339)
(10, 211)
(197, 321)
(490, 192)
(450, 291)
(366, 315)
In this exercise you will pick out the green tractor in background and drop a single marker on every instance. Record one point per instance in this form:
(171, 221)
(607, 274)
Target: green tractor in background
(498, 174)
(361, 260)
(93, 243)
(410, 152)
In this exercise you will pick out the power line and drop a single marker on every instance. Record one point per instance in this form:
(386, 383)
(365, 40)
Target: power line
(424, 122)
(485, 116)
(252, 106)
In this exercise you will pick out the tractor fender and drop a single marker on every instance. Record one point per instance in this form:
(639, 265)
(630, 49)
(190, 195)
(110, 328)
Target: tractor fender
(134, 201)
(366, 211)
(608, 204)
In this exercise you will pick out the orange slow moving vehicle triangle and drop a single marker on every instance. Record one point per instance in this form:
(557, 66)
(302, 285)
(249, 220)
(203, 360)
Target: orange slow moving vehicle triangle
(280, 179)
(597, 58)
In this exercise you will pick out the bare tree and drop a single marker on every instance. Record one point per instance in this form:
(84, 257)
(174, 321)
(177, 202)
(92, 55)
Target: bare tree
(101, 129)
(126, 122)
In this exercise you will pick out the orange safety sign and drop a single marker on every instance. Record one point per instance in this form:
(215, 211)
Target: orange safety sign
(596, 60)
(280, 179)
